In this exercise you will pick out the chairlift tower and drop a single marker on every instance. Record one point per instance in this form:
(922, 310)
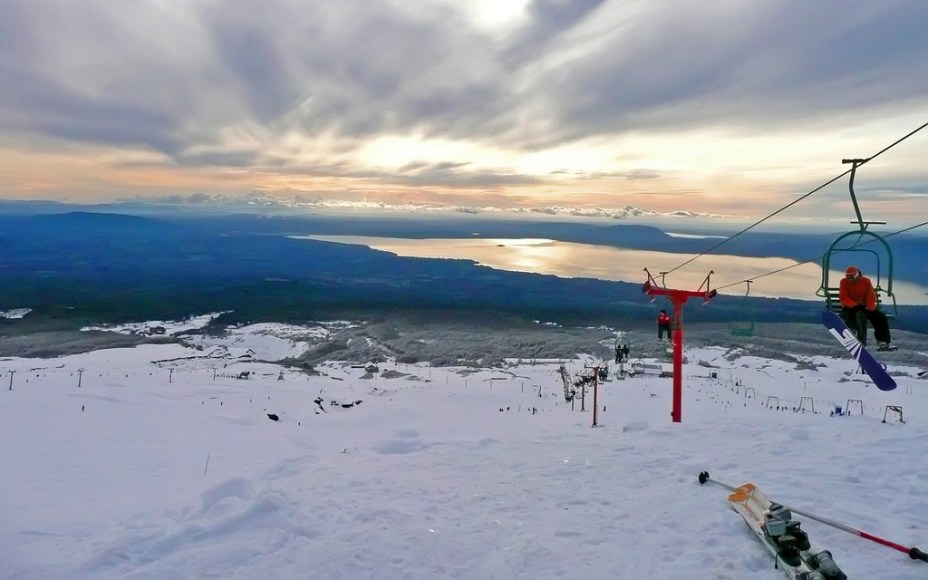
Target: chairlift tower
(678, 299)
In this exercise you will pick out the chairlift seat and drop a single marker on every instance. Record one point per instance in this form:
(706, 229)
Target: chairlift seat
(833, 303)
(743, 328)
(741, 331)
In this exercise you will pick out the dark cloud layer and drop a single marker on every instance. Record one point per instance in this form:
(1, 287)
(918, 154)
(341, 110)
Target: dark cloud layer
(763, 65)
(175, 77)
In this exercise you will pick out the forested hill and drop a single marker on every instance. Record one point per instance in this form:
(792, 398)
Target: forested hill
(117, 267)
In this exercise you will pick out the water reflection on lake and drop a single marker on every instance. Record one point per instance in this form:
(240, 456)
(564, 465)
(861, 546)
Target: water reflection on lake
(571, 260)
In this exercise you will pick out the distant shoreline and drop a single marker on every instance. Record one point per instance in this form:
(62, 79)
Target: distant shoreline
(616, 264)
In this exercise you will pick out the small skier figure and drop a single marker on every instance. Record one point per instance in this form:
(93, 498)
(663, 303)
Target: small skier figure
(858, 304)
(663, 325)
(618, 352)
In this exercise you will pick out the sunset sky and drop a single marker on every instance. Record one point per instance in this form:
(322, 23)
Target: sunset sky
(732, 107)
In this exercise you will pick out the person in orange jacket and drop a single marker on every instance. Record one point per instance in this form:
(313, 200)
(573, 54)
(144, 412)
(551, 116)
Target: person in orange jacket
(663, 325)
(857, 297)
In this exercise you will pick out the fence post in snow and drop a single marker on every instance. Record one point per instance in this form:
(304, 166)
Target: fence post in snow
(80, 376)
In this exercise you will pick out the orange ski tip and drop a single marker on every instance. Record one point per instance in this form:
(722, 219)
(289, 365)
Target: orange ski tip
(746, 488)
(738, 497)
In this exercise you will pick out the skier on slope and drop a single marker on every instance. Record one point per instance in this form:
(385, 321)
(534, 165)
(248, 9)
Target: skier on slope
(858, 303)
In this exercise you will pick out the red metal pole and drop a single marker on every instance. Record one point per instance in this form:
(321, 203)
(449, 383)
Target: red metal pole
(676, 337)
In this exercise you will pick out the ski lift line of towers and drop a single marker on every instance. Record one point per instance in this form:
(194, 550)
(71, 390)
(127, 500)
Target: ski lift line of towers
(765, 397)
(18, 377)
(161, 375)
(892, 413)
(79, 373)
(420, 371)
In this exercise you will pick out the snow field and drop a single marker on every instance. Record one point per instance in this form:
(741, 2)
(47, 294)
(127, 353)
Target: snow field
(175, 474)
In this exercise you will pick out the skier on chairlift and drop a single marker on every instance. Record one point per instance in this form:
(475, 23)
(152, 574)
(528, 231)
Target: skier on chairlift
(663, 325)
(859, 305)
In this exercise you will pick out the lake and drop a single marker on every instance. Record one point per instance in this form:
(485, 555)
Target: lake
(572, 260)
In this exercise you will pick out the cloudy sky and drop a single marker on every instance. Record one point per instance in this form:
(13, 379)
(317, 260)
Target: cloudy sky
(730, 106)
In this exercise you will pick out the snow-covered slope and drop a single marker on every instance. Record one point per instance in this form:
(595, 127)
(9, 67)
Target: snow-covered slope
(163, 463)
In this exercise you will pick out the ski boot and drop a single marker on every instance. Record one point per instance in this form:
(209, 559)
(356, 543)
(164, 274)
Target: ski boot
(787, 548)
(824, 565)
(793, 528)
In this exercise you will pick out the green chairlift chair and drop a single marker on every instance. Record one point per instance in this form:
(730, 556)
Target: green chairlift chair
(743, 327)
(850, 245)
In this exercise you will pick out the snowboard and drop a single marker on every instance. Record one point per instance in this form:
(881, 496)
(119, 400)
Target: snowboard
(849, 341)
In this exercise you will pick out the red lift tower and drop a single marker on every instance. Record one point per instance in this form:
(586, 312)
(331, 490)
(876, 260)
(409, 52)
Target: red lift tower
(678, 298)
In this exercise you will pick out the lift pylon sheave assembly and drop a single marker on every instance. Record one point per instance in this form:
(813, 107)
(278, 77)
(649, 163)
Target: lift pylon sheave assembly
(677, 298)
(879, 256)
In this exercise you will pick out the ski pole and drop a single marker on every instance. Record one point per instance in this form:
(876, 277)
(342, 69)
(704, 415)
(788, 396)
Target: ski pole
(912, 552)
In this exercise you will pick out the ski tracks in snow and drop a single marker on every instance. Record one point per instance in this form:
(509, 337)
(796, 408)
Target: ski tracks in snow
(234, 525)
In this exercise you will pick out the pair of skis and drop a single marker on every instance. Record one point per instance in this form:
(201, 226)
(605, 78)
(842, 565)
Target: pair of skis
(787, 542)
(783, 536)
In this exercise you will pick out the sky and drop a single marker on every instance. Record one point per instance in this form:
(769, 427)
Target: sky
(163, 465)
(733, 108)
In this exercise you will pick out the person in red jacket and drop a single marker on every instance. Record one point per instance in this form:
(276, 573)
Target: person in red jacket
(858, 302)
(663, 325)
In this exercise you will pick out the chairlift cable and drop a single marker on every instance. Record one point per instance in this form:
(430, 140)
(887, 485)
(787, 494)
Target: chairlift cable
(817, 258)
(797, 200)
